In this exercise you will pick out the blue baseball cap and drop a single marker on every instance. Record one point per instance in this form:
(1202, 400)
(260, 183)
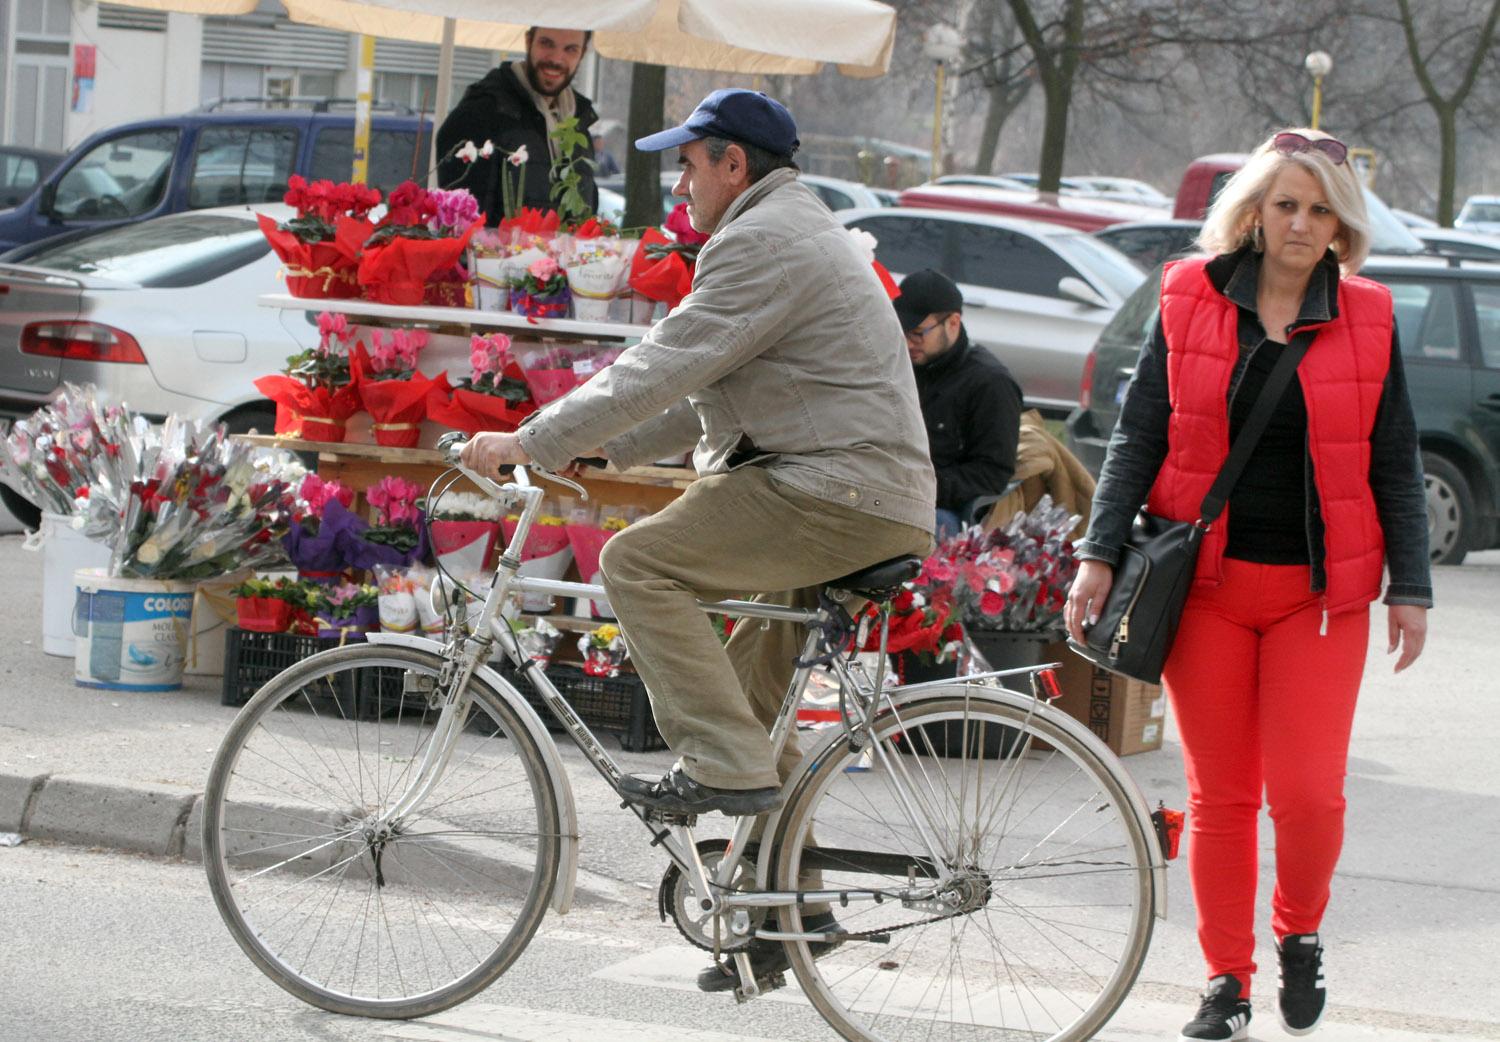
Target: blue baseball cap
(746, 116)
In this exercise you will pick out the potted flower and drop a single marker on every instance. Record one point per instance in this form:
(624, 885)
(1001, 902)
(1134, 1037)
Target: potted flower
(318, 391)
(320, 246)
(422, 235)
(321, 514)
(542, 292)
(493, 398)
(346, 611)
(267, 606)
(598, 259)
(398, 538)
(393, 392)
(603, 651)
(465, 527)
(662, 268)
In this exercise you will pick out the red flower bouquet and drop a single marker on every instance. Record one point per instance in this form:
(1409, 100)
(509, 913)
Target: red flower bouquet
(423, 235)
(663, 269)
(392, 390)
(494, 398)
(319, 390)
(320, 246)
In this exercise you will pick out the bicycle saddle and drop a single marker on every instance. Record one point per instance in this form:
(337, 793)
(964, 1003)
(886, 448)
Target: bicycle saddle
(879, 578)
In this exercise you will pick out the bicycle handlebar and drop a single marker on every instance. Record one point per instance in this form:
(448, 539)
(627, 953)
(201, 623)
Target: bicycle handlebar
(451, 447)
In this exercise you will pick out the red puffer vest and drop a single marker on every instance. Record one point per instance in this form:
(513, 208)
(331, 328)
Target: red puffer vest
(1342, 376)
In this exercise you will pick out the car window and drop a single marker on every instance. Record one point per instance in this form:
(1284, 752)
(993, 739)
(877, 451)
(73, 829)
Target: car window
(1481, 212)
(1003, 259)
(1132, 323)
(18, 176)
(905, 245)
(395, 156)
(1427, 320)
(833, 198)
(236, 165)
(1487, 315)
(123, 177)
(169, 252)
(1100, 260)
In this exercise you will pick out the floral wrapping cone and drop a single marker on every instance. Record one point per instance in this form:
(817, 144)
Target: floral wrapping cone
(464, 548)
(397, 271)
(359, 552)
(531, 221)
(313, 413)
(471, 412)
(398, 407)
(668, 279)
(320, 270)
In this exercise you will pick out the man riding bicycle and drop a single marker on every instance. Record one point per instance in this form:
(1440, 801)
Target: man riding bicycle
(785, 367)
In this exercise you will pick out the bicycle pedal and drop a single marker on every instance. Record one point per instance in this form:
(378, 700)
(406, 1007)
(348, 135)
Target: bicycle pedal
(668, 818)
(770, 982)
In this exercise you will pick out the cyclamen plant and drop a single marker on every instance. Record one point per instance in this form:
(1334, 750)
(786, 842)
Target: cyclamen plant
(488, 356)
(321, 203)
(397, 514)
(544, 278)
(395, 358)
(327, 364)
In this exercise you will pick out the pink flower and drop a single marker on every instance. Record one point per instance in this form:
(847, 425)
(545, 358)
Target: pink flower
(937, 570)
(544, 269)
(681, 226)
(317, 493)
(393, 499)
(991, 603)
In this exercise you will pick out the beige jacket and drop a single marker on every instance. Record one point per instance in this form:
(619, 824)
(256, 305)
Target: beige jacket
(1044, 466)
(787, 346)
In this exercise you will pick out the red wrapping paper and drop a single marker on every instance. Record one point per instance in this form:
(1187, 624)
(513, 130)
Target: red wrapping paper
(398, 407)
(471, 412)
(531, 222)
(450, 289)
(548, 385)
(320, 270)
(886, 281)
(397, 271)
(464, 547)
(588, 543)
(263, 614)
(315, 414)
(544, 540)
(668, 279)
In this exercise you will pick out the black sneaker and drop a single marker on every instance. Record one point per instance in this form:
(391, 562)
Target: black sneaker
(1222, 1014)
(768, 957)
(1301, 995)
(676, 793)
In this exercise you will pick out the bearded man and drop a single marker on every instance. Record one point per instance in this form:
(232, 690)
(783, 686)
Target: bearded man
(517, 106)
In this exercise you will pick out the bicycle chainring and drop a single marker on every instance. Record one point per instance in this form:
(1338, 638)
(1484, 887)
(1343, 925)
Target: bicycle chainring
(678, 897)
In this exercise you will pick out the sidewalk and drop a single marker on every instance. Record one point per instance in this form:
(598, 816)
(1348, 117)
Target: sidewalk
(1415, 916)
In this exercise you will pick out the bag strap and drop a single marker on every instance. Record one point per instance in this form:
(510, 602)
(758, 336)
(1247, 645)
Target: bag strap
(1255, 425)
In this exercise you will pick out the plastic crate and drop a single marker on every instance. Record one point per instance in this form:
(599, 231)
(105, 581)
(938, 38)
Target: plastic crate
(617, 705)
(251, 659)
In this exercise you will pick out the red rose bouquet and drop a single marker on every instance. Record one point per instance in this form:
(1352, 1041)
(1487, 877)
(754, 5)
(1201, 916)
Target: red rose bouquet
(494, 398)
(320, 246)
(392, 390)
(319, 389)
(419, 241)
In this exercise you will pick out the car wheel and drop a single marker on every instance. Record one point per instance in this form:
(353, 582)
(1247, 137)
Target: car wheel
(21, 508)
(1450, 510)
(261, 421)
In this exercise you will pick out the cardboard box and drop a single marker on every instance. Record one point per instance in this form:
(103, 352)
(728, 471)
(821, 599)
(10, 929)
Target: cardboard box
(1127, 715)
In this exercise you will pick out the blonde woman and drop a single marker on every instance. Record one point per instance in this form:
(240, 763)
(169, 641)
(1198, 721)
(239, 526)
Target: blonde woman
(1266, 667)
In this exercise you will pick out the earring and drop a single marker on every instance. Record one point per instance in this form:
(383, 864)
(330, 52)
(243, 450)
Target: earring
(1258, 239)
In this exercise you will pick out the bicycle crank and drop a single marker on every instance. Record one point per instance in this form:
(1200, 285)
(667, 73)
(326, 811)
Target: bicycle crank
(678, 897)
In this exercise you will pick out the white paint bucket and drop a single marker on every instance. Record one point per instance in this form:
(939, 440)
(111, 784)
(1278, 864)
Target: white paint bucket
(132, 634)
(64, 551)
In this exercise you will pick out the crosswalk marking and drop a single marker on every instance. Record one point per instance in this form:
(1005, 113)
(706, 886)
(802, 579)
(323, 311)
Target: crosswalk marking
(477, 1021)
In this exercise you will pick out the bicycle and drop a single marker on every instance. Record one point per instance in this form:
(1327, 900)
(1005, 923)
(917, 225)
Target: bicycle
(386, 824)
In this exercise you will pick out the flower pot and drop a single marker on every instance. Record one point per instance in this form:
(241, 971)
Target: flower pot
(353, 626)
(465, 548)
(263, 614)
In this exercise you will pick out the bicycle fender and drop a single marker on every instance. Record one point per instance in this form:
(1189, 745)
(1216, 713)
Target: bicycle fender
(1024, 702)
(567, 865)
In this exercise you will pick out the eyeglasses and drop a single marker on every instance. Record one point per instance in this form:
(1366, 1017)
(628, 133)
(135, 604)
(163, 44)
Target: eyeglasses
(920, 333)
(1289, 142)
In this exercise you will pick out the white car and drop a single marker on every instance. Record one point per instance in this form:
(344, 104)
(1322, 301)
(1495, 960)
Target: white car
(1035, 294)
(1125, 189)
(1481, 213)
(1455, 242)
(836, 193)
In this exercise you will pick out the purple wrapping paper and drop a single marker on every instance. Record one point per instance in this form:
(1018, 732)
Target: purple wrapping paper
(358, 552)
(321, 553)
(365, 618)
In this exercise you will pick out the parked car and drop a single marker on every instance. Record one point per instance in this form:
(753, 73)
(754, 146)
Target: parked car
(836, 193)
(205, 159)
(1413, 220)
(21, 170)
(1152, 243)
(1455, 242)
(985, 181)
(1480, 213)
(1448, 321)
(1125, 189)
(1035, 294)
(1071, 210)
(887, 196)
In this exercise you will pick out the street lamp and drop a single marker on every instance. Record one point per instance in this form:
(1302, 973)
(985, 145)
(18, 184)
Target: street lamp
(941, 44)
(1318, 63)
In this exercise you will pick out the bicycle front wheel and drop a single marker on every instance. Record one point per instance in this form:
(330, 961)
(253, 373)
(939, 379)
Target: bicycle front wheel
(343, 905)
(1016, 881)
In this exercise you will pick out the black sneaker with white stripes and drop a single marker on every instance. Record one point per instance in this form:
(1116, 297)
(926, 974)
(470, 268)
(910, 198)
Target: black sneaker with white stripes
(1301, 995)
(1222, 1015)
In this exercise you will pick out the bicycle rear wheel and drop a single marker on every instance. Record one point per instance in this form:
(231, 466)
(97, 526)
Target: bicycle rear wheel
(345, 917)
(1043, 927)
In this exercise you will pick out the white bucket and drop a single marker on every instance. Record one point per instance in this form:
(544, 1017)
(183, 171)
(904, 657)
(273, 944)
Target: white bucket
(64, 551)
(132, 633)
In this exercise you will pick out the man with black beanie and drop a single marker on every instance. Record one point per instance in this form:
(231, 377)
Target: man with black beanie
(970, 402)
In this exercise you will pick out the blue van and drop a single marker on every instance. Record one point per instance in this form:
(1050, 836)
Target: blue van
(202, 159)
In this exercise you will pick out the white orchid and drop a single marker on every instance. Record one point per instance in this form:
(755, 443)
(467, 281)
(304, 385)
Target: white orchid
(864, 242)
(487, 149)
(519, 156)
(467, 153)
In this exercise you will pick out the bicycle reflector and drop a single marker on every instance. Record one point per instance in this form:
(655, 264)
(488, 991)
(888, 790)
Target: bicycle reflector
(1045, 686)
(1168, 824)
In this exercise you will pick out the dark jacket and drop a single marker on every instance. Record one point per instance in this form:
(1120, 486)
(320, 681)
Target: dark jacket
(1139, 442)
(972, 407)
(500, 109)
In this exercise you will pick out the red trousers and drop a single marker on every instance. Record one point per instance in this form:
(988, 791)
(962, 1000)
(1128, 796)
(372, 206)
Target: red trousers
(1263, 702)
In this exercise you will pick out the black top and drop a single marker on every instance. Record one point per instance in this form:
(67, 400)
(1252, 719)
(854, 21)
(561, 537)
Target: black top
(972, 408)
(500, 109)
(1268, 507)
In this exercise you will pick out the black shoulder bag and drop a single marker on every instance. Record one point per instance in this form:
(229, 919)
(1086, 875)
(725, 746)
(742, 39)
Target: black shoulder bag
(1159, 558)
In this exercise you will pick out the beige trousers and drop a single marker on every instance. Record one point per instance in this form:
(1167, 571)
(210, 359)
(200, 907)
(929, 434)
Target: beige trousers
(733, 535)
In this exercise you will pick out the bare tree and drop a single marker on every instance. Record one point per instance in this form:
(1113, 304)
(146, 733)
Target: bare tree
(998, 59)
(1438, 59)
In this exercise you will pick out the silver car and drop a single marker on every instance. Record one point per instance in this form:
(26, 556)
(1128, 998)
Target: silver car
(1035, 294)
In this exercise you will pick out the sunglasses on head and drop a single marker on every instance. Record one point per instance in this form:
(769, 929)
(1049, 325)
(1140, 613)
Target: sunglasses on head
(1289, 142)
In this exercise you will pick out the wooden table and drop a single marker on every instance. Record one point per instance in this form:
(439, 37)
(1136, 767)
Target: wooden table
(360, 465)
